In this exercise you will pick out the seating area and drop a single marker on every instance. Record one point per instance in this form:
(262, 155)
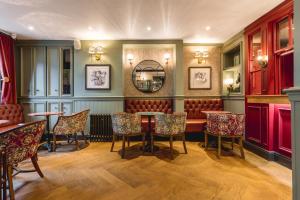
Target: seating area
(138, 100)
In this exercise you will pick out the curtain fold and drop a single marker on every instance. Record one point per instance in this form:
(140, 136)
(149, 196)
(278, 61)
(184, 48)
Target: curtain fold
(7, 68)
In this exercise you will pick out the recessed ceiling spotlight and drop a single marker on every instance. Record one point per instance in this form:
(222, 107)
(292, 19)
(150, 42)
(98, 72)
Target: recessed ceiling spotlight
(31, 28)
(148, 28)
(207, 28)
(90, 28)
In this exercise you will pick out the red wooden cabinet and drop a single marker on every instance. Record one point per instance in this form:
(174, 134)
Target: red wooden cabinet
(258, 120)
(282, 130)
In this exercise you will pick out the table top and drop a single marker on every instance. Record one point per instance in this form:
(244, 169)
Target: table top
(149, 113)
(216, 112)
(45, 113)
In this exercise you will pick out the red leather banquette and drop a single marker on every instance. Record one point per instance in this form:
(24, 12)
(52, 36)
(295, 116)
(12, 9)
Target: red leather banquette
(196, 120)
(10, 114)
(148, 105)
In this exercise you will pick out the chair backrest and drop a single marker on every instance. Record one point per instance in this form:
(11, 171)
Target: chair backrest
(12, 112)
(170, 124)
(126, 123)
(22, 142)
(226, 124)
(71, 124)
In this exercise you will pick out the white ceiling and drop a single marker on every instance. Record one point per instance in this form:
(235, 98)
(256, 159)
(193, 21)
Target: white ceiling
(128, 19)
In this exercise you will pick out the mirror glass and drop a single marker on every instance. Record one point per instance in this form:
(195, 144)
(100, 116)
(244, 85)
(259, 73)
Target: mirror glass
(66, 79)
(283, 33)
(148, 76)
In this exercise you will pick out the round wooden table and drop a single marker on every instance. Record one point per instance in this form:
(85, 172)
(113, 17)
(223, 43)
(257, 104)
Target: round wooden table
(47, 116)
(148, 133)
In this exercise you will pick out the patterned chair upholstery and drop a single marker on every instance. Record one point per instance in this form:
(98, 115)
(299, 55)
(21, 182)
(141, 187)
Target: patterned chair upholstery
(148, 105)
(21, 144)
(226, 125)
(10, 115)
(126, 125)
(196, 120)
(71, 125)
(170, 125)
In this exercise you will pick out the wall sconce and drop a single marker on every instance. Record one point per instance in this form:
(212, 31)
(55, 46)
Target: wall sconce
(201, 55)
(167, 57)
(262, 59)
(96, 51)
(229, 84)
(130, 58)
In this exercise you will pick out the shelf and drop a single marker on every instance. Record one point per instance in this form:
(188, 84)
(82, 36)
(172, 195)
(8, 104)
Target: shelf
(233, 68)
(272, 99)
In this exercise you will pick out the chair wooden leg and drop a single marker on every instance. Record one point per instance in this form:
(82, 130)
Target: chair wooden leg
(152, 142)
(144, 139)
(85, 140)
(232, 143)
(241, 148)
(76, 141)
(219, 146)
(113, 143)
(123, 147)
(184, 145)
(54, 142)
(36, 166)
(206, 140)
(171, 146)
(68, 136)
(10, 182)
(128, 141)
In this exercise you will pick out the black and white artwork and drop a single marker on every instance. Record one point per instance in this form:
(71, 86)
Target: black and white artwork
(97, 77)
(199, 78)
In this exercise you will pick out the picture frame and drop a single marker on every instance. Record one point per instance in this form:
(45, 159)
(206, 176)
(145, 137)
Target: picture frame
(199, 78)
(97, 76)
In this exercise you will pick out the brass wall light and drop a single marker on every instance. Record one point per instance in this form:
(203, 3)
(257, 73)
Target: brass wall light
(201, 55)
(130, 58)
(262, 59)
(167, 56)
(96, 51)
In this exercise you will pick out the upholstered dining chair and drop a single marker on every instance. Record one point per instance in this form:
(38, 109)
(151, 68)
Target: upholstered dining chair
(21, 144)
(126, 125)
(70, 126)
(170, 125)
(226, 126)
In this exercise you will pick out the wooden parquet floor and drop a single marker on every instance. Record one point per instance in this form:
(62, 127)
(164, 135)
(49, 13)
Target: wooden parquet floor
(96, 173)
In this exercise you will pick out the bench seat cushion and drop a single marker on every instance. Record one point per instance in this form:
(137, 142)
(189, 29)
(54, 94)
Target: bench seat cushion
(195, 125)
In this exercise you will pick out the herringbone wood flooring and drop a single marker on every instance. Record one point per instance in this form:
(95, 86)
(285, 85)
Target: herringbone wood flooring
(96, 173)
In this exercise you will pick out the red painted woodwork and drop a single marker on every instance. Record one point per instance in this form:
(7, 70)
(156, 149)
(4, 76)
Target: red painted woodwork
(267, 80)
(282, 130)
(258, 127)
(269, 125)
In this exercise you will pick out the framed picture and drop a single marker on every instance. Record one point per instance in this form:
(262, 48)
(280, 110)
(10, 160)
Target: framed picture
(199, 78)
(97, 77)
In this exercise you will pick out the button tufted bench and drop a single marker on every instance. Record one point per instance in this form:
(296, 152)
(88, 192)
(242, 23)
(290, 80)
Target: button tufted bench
(196, 120)
(148, 105)
(10, 114)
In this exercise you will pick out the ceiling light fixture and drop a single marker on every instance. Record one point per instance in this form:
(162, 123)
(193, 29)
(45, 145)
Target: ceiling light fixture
(90, 28)
(31, 28)
(207, 28)
(148, 28)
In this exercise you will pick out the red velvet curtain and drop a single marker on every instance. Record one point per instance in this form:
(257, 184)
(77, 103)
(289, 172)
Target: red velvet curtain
(7, 68)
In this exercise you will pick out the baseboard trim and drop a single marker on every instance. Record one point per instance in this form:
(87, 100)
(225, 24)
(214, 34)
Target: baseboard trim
(269, 155)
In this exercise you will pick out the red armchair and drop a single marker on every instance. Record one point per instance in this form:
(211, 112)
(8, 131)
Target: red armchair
(228, 126)
(21, 144)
